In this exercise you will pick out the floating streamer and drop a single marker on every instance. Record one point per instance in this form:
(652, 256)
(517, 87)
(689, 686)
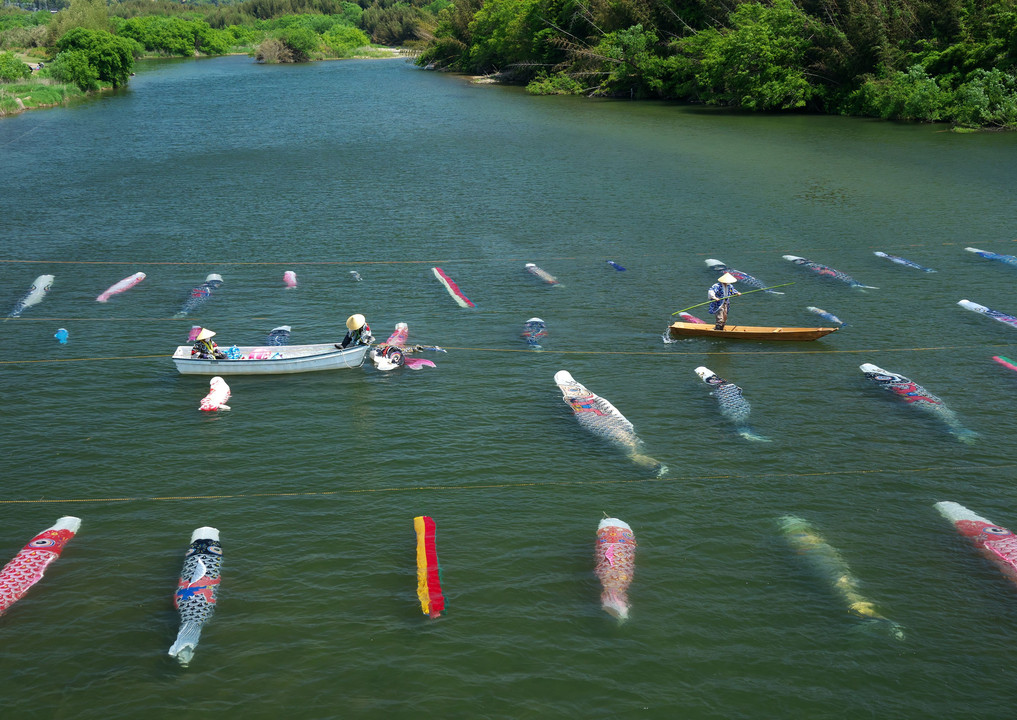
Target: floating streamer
(27, 567)
(218, 394)
(34, 296)
(432, 602)
(197, 591)
(452, 288)
(615, 555)
(126, 284)
(825, 271)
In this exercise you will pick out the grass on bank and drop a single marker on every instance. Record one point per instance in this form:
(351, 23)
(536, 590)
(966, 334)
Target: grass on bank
(35, 94)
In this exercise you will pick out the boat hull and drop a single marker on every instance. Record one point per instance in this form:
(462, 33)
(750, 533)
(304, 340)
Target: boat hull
(273, 360)
(749, 332)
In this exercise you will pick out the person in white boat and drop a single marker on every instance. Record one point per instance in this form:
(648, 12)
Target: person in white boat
(358, 332)
(205, 348)
(720, 293)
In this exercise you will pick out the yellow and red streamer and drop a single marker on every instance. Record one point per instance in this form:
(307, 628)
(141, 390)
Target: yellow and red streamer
(432, 602)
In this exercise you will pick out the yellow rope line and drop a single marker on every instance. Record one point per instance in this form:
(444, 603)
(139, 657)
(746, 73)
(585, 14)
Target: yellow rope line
(579, 352)
(493, 486)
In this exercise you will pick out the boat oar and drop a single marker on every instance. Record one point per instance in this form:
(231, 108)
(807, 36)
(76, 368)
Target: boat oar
(731, 297)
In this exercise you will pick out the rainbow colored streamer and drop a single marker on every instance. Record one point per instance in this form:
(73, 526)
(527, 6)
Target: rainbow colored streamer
(1005, 361)
(432, 602)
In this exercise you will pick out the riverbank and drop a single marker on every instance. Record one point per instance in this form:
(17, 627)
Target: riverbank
(35, 93)
(15, 98)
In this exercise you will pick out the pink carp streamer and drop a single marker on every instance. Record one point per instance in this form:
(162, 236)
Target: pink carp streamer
(616, 559)
(126, 284)
(452, 288)
(689, 318)
(218, 394)
(27, 567)
(996, 543)
(290, 278)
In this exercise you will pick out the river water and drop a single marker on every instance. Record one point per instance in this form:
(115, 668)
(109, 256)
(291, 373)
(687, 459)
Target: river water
(313, 480)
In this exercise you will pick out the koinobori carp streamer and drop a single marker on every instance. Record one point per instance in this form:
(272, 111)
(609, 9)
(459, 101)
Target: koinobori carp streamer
(197, 591)
(432, 601)
(27, 567)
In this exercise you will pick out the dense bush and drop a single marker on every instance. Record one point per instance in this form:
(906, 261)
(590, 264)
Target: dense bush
(557, 84)
(12, 69)
(303, 43)
(905, 59)
(72, 67)
(343, 41)
(111, 56)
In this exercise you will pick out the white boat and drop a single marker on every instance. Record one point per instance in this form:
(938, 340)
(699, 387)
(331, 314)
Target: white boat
(272, 359)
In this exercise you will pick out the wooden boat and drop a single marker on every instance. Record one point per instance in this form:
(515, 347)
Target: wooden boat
(749, 332)
(273, 360)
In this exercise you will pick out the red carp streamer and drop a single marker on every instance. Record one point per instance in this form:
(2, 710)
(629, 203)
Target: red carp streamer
(432, 602)
(26, 568)
(452, 288)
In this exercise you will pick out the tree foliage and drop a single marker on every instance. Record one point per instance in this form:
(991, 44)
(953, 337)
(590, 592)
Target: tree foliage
(926, 60)
(110, 55)
(72, 67)
(12, 69)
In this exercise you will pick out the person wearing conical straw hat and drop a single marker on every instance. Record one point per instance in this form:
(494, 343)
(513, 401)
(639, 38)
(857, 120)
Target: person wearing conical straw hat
(204, 347)
(358, 332)
(720, 293)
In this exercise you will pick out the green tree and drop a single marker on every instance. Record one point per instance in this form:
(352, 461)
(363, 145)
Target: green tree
(344, 40)
(758, 63)
(88, 14)
(12, 69)
(111, 56)
(911, 95)
(503, 33)
(303, 43)
(72, 67)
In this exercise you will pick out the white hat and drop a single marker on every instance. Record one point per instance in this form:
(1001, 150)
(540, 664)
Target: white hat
(727, 278)
(205, 334)
(355, 322)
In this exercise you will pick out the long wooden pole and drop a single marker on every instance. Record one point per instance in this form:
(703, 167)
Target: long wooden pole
(732, 296)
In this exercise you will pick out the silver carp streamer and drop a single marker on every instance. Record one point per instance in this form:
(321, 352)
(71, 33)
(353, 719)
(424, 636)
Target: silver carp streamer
(829, 317)
(534, 330)
(733, 406)
(200, 294)
(34, 295)
(1005, 259)
(916, 396)
(903, 261)
(827, 563)
(825, 271)
(743, 277)
(279, 336)
(197, 591)
(989, 312)
(542, 274)
(603, 419)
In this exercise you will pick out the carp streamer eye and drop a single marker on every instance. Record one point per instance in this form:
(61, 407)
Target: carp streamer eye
(42, 543)
(215, 549)
(996, 531)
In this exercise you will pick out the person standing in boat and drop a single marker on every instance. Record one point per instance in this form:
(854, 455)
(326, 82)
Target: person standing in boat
(205, 348)
(720, 293)
(358, 332)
